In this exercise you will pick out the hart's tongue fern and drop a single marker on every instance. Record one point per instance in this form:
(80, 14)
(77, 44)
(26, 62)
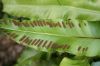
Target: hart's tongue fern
(48, 25)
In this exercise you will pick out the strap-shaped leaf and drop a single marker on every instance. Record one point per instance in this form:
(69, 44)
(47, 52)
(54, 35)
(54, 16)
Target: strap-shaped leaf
(57, 10)
(79, 38)
(88, 4)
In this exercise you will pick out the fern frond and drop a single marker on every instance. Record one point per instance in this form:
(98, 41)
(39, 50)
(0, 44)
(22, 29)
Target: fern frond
(57, 10)
(82, 38)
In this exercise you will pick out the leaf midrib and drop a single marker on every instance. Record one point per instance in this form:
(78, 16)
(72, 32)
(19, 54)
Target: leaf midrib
(51, 34)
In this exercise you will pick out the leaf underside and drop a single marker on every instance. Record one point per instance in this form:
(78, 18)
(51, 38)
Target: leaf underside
(62, 25)
(74, 37)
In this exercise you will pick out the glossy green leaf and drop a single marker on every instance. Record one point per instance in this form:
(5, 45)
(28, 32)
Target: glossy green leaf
(57, 10)
(31, 57)
(27, 56)
(73, 62)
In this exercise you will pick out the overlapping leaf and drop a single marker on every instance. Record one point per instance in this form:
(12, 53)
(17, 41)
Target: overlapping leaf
(63, 25)
(57, 10)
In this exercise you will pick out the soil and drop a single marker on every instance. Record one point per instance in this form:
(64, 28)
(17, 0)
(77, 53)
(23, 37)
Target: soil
(9, 51)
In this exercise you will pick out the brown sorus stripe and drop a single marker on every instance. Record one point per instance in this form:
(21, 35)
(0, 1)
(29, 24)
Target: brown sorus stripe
(49, 24)
(65, 47)
(33, 41)
(63, 24)
(26, 24)
(72, 24)
(22, 38)
(54, 46)
(26, 40)
(42, 23)
(83, 49)
(35, 23)
(39, 23)
(15, 23)
(44, 43)
(39, 44)
(59, 24)
(57, 46)
(69, 23)
(31, 24)
(30, 40)
(20, 24)
(55, 25)
(50, 43)
(13, 35)
(23, 24)
(79, 48)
